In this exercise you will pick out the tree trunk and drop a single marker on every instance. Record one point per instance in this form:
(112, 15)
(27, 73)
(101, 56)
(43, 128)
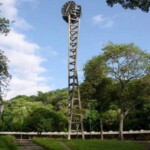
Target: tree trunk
(121, 126)
(121, 123)
(101, 128)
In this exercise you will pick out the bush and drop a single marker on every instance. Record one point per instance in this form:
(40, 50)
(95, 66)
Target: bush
(7, 143)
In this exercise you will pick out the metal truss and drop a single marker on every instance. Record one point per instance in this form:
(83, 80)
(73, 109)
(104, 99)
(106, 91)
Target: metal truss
(75, 111)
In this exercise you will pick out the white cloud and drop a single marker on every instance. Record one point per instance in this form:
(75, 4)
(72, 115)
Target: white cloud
(98, 19)
(18, 42)
(21, 24)
(9, 10)
(25, 62)
(50, 51)
(102, 21)
(25, 87)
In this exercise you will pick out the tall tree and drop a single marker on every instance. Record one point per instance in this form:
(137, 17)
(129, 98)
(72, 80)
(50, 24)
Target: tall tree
(143, 5)
(125, 62)
(4, 74)
(96, 87)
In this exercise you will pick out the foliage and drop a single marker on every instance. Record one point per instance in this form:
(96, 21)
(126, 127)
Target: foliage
(126, 63)
(43, 120)
(7, 143)
(17, 110)
(94, 69)
(96, 88)
(26, 113)
(59, 144)
(48, 111)
(111, 118)
(115, 83)
(91, 120)
(138, 118)
(4, 25)
(57, 98)
(95, 85)
(131, 4)
(4, 74)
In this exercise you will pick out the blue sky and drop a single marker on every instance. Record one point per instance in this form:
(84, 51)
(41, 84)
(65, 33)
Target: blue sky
(37, 43)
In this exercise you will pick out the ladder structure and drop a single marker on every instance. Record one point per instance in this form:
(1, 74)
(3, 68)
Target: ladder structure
(75, 117)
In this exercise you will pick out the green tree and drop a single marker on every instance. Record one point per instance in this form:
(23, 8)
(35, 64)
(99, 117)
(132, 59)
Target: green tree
(4, 25)
(17, 111)
(4, 74)
(42, 119)
(24, 111)
(111, 118)
(131, 4)
(57, 98)
(125, 62)
(41, 97)
(96, 86)
(138, 118)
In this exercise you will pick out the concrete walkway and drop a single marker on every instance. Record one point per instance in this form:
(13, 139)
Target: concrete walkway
(26, 144)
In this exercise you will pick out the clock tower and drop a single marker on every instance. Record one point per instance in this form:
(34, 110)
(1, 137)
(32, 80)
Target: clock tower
(71, 13)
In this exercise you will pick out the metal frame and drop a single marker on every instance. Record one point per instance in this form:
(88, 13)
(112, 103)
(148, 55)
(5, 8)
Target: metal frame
(75, 120)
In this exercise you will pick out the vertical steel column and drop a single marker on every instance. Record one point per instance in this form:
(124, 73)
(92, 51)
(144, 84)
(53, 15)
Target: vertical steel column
(75, 113)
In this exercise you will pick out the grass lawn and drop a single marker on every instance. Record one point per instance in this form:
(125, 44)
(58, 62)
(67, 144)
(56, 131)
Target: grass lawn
(6, 143)
(62, 144)
(49, 144)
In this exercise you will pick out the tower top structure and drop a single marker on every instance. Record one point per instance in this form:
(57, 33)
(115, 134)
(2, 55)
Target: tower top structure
(72, 9)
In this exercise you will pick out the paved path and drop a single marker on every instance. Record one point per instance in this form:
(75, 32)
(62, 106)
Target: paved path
(25, 144)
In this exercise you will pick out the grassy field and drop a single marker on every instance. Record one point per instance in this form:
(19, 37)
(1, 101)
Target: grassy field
(6, 143)
(62, 144)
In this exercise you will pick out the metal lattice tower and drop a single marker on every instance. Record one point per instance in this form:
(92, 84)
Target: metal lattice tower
(75, 120)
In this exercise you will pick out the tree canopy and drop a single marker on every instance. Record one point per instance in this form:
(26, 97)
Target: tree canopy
(114, 79)
(126, 61)
(4, 74)
(33, 113)
(4, 25)
(143, 5)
